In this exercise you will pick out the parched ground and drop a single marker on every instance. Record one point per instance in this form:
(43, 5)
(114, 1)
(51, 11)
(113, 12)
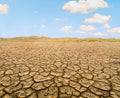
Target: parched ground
(60, 70)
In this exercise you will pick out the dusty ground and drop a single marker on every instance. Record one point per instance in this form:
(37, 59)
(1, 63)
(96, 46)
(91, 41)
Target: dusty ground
(60, 70)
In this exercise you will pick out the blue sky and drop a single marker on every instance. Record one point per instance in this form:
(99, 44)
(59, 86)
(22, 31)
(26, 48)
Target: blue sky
(60, 18)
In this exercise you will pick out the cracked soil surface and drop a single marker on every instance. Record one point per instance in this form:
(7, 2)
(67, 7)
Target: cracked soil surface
(60, 70)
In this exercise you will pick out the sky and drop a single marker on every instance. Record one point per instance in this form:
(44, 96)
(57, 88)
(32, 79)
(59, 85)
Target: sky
(60, 18)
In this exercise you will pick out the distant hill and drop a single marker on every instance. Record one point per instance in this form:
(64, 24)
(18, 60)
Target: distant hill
(66, 39)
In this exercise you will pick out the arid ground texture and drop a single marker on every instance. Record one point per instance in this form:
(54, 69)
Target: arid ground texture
(59, 69)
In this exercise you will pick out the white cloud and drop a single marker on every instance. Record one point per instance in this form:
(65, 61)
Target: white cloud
(99, 34)
(4, 9)
(66, 28)
(58, 20)
(106, 26)
(97, 18)
(114, 30)
(84, 6)
(40, 26)
(87, 28)
(43, 26)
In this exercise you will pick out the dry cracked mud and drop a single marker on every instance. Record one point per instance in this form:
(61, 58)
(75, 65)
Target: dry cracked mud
(60, 70)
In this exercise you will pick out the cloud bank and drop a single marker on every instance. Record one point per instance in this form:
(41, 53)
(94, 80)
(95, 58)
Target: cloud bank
(98, 18)
(4, 9)
(84, 6)
(114, 30)
(66, 28)
(87, 28)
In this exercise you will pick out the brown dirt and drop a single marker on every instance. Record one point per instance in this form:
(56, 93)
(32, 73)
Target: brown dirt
(60, 70)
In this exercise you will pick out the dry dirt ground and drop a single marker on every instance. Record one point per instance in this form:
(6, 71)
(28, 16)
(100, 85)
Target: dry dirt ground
(60, 70)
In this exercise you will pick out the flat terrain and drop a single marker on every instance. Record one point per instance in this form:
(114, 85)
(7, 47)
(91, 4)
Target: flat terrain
(59, 69)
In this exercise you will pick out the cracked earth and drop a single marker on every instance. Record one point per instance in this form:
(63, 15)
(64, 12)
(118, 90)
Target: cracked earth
(60, 70)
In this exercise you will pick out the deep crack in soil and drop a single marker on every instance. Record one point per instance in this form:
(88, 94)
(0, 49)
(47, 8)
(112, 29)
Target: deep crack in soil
(60, 70)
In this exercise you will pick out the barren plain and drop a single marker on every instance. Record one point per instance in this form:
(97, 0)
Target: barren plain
(59, 69)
